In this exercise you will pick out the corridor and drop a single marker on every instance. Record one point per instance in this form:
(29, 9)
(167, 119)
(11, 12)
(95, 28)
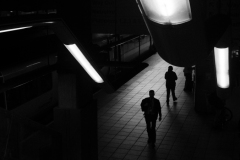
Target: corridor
(181, 135)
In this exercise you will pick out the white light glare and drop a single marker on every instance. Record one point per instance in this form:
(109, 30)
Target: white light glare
(167, 11)
(78, 55)
(14, 29)
(49, 22)
(165, 7)
(222, 66)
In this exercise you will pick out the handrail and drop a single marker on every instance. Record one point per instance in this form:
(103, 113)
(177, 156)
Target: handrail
(58, 26)
(24, 77)
(123, 41)
(5, 21)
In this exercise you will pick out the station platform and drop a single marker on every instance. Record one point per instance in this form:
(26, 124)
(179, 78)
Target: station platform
(182, 134)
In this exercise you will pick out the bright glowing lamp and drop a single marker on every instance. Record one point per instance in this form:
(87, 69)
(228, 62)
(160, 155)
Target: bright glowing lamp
(78, 55)
(49, 22)
(14, 29)
(167, 11)
(222, 66)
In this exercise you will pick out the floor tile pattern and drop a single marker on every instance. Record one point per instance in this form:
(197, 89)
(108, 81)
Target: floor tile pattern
(181, 135)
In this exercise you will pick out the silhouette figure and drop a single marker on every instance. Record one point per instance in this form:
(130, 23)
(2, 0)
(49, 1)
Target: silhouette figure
(188, 75)
(170, 77)
(151, 108)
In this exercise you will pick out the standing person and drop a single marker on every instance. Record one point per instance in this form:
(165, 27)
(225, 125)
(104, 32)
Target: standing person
(171, 77)
(151, 108)
(188, 76)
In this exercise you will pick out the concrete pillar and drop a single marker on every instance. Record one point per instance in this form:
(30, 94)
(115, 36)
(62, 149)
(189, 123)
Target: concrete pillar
(205, 84)
(76, 116)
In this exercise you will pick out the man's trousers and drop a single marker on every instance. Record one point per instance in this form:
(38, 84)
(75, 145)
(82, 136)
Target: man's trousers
(172, 89)
(151, 125)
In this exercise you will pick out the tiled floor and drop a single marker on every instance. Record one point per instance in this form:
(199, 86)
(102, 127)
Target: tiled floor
(182, 133)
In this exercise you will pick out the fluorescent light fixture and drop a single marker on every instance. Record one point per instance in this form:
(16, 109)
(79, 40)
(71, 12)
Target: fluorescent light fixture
(49, 22)
(78, 55)
(14, 29)
(222, 66)
(167, 11)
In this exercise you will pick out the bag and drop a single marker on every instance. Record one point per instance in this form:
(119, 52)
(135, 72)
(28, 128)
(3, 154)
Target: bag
(144, 105)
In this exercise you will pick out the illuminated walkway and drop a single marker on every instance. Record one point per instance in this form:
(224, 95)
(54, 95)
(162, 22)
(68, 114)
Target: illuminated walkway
(182, 133)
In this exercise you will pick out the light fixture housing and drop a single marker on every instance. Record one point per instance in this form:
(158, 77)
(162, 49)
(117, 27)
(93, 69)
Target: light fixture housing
(221, 56)
(179, 37)
(167, 12)
(79, 56)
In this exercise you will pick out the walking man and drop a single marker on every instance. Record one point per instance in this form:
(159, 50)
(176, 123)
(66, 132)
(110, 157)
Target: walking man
(151, 108)
(171, 77)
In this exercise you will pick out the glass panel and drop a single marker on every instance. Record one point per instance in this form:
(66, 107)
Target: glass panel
(28, 91)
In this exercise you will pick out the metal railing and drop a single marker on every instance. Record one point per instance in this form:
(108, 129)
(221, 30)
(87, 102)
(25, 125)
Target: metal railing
(117, 46)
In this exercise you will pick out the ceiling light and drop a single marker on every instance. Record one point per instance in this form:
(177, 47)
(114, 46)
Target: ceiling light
(78, 55)
(222, 66)
(167, 11)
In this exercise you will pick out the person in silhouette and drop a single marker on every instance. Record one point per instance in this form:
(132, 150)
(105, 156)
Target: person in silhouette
(171, 77)
(151, 108)
(188, 76)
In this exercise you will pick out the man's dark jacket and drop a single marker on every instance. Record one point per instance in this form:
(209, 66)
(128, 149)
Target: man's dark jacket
(170, 77)
(156, 109)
